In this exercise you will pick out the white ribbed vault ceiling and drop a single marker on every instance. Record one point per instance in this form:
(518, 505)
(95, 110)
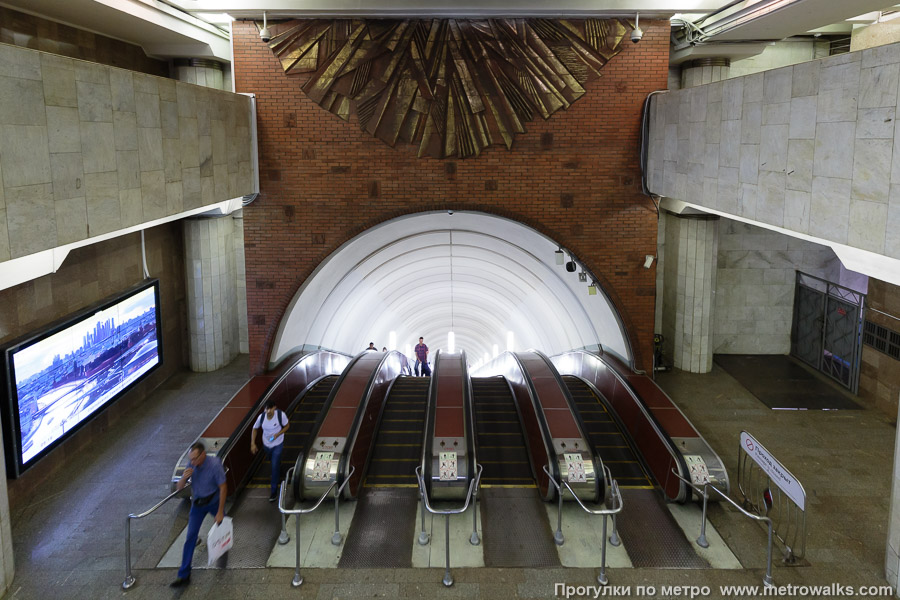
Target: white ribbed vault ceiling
(477, 275)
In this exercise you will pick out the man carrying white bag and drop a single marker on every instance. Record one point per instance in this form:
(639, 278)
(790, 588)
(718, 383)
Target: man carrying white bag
(219, 540)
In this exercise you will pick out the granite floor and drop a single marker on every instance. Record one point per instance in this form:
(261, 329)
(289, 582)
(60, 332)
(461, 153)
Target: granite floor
(69, 542)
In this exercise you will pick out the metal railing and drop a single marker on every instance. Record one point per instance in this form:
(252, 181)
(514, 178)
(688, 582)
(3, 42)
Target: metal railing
(297, 581)
(473, 485)
(616, 508)
(702, 541)
(129, 578)
(766, 497)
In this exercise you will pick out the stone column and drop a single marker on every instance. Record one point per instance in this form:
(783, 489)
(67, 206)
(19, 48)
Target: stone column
(211, 292)
(240, 272)
(199, 71)
(701, 71)
(688, 290)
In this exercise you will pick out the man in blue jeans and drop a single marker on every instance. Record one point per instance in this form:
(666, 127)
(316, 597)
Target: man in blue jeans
(208, 492)
(273, 424)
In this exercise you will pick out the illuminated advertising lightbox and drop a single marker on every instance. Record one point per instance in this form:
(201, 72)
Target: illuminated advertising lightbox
(58, 378)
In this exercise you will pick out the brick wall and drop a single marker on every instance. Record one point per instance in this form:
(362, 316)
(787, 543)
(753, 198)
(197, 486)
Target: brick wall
(574, 178)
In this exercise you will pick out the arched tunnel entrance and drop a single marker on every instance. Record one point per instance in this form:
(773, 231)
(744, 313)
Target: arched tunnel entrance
(491, 281)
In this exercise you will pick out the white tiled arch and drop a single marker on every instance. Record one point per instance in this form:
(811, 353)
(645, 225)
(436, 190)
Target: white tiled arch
(397, 277)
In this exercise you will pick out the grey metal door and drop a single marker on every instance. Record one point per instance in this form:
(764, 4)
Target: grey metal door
(827, 328)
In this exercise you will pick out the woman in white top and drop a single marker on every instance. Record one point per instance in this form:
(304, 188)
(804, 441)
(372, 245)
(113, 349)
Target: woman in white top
(273, 423)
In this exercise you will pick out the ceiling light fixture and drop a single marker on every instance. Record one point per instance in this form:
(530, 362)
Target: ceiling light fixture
(560, 257)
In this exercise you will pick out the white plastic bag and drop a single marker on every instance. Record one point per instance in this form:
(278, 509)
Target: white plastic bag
(219, 540)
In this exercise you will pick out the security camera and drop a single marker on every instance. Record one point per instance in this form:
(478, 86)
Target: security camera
(449, 212)
(264, 32)
(571, 267)
(637, 33)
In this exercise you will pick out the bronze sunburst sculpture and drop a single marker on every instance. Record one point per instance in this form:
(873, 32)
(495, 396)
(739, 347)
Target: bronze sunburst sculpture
(451, 86)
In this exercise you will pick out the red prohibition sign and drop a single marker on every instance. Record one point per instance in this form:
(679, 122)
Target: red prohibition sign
(749, 444)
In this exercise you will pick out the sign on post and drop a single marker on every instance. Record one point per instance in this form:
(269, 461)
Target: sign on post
(774, 469)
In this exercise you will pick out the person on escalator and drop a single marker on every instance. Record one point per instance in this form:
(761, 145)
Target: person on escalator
(422, 358)
(273, 424)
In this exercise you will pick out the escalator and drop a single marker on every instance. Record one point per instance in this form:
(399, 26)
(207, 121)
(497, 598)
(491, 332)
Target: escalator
(385, 517)
(398, 444)
(257, 521)
(607, 438)
(650, 534)
(501, 445)
(302, 420)
(514, 521)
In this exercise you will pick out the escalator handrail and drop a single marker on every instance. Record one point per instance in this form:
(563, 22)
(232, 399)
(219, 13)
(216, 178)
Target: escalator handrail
(649, 416)
(326, 406)
(599, 473)
(247, 421)
(431, 414)
(469, 417)
(251, 416)
(428, 423)
(552, 458)
(361, 410)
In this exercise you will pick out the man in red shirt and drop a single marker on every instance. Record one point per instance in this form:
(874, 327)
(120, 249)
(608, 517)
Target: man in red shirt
(422, 358)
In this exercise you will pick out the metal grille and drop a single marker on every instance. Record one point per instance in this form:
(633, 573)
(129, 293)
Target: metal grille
(827, 328)
(651, 536)
(882, 339)
(516, 530)
(383, 530)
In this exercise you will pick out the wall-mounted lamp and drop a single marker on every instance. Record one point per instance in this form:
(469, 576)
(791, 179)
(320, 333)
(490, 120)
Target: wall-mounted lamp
(560, 257)
(648, 261)
(592, 289)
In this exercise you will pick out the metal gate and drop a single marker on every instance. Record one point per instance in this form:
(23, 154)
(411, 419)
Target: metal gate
(827, 328)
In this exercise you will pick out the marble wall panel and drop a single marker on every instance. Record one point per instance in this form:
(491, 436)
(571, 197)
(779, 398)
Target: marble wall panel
(830, 208)
(98, 143)
(878, 86)
(71, 219)
(102, 193)
(831, 156)
(25, 155)
(63, 130)
(892, 231)
(30, 218)
(21, 101)
(802, 124)
(799, 166)
(871, 170)
(125, 126)
(876, 123)
(58, 81)
(805, 81)
(68, 175)
(773, 148)
(866, 228)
